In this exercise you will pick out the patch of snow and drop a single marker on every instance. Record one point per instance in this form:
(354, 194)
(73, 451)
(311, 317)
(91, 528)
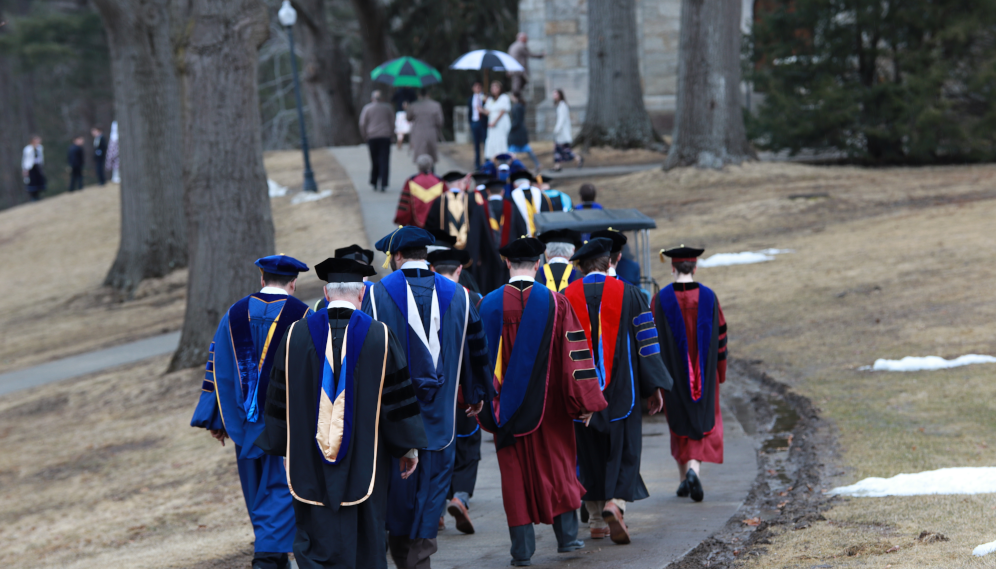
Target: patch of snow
(304, 197)
(276, 190)
(984, 549)
(912, 363)
(959, 480)
(744, 258)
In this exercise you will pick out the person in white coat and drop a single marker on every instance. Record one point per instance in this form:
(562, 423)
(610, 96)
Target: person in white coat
(32, 168)
(497, 109)
(562, 134)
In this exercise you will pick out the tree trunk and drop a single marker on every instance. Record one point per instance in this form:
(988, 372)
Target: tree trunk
(708, 122)
(14, 134)
(147, 108)
(376, 49)
(616, 115)
(326, 79)
(228, 207)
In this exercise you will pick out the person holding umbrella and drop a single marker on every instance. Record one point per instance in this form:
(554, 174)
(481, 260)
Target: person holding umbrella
(497, 109)
(424, 114)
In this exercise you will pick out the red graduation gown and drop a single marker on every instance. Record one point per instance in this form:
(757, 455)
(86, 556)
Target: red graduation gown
(710, 447)
(416, 198)
(539, 472)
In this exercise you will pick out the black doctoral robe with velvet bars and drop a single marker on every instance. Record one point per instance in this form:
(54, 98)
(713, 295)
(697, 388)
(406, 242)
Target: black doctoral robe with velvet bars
(610, 447)
(341, 508)
(486, 266)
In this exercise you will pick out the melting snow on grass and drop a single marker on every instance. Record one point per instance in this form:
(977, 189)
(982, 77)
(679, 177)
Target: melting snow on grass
(984, 549)
(744, 258)
(276, 190)
(960, 480)
(303, 197)
(911, 363)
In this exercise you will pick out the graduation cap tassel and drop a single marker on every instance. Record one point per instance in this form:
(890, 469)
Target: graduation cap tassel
(387, 261)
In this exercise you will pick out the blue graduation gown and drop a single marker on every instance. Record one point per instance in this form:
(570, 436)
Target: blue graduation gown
(222, 405)
(414, 505)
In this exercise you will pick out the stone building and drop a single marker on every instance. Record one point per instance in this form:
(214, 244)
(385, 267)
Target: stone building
(560, 29)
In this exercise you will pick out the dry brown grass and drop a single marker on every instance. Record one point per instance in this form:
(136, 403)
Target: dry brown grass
(57, 252)
(463, 154)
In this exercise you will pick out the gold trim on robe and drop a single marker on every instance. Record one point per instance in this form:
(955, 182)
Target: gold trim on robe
(331, 416)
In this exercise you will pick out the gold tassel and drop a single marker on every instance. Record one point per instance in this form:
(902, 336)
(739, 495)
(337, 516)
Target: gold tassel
(387, 261)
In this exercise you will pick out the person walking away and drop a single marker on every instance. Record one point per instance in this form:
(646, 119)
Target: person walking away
(478, 121)
(233, 400)
(588, 194)
(418, 194)
(563, 136)
(436, 321)
(518, 134)
(113, 158)
(545, 380)
(624, 269)
(426, 116)
(558, 271)
(450, 263)
(623, 340)
(75, 160)
(376, 126)
(340, 407)
(496, 108)
(692, 332)
(33, 168)
(358, 254)
(519, 50)
(495, 189)
(99, 153)
(554, 199)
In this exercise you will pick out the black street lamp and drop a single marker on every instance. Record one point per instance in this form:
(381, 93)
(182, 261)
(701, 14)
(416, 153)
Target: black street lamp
(288, 16)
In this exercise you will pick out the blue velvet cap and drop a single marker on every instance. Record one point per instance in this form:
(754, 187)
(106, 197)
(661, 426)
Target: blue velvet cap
(281, 265)
(407, 237)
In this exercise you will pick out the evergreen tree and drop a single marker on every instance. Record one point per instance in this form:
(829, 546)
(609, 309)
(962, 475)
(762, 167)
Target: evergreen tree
(885, 81)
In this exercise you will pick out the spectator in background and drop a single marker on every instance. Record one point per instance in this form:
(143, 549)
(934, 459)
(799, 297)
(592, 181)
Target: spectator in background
(376, 125)
(426, 116)
(99, 153)
(520, 52)
(518, 135)
(478, 121)
(75, 159)
(496, 108)
(32, 168)
(562, 134)
(588, 194)
(113, 162)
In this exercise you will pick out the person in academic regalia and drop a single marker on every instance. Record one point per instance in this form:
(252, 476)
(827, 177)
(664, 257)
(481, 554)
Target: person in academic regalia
(418, 194)
(622, 337)
(450, 263)
(544, 378)
(553, 200)
(462, 212)
(445, 242)
(558, 272)
(356, 253)
(692, 332)
(521, 204)
(447, 357)
(233, 398)
(495, 189)
(341, 407)
(620, 267)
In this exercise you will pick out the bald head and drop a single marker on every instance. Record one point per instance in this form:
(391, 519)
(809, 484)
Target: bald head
(522, 37)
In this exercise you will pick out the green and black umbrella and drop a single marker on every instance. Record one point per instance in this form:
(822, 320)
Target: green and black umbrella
(406, 72)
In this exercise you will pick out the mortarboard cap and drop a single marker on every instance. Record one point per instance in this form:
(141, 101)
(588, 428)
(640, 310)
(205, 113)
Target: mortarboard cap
(521, 175)
(618, 238)
(593, 249)
(343, 270)
(355, 252)
(681, 253)
(504, 158)
(452, 257)
(481, 177)
(523, 250)
(453, 176)
(281, 265)
(561, 236)
(494, 184)
(443, 238)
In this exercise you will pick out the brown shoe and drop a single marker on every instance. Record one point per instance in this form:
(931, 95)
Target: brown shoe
(617, 527)
(599, 533)
(459, 512)
(442, 523)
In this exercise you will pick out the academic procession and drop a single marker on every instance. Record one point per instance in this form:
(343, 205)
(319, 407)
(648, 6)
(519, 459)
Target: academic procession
(358, 422)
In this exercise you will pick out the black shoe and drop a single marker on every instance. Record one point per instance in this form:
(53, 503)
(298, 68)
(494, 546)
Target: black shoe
(521, 563)
(682, 489)
(572, 546)
(694, 486)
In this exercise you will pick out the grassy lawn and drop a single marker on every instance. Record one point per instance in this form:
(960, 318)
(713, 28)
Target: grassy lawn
(886, 263)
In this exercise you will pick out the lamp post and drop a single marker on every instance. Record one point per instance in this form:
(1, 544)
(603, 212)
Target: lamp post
(288, 16)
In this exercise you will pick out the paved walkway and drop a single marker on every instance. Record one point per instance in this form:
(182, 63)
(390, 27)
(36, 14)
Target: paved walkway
(598, 171)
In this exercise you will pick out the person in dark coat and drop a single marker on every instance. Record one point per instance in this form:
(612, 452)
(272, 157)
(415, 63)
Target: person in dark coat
(33, 168)
(99, 153)
(478, 121)
(75, 160)
(518, 136)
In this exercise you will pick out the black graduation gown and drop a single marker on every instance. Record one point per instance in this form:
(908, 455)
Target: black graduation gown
(557, 269)
(610, 448)
(486, 266)
(340, 509)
